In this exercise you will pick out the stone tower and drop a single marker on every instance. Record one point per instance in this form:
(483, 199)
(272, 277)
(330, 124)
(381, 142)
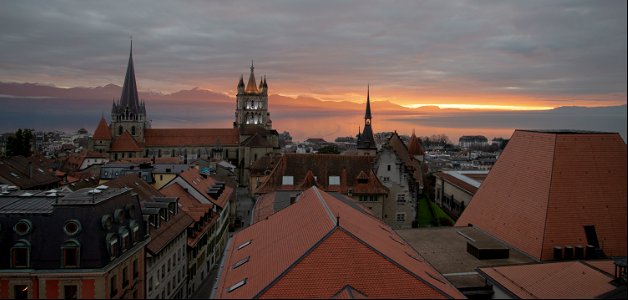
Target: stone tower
(366, 142)
(129, 113)
(252, 103)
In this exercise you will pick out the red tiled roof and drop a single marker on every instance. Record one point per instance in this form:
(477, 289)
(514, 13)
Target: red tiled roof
(264, 207)
(125, 143)
(348, 292)
(300, 252)
(457, 182)
(347, 167)
(102, 131)
(546, 186)
(414, 146)
(191, 137)
(158, 160)
(560, 280)
(202, 185)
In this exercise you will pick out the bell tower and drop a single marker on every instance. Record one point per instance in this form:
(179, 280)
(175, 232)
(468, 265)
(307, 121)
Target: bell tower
(252, 103)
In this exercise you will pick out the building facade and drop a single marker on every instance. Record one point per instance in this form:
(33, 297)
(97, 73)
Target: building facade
(86, 244)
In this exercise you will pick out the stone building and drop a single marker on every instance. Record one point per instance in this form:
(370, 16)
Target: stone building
(401, 172)
(130, 133)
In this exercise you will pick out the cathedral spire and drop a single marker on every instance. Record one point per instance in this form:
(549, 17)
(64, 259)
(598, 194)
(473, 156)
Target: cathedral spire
(129, 97)
(251, 86)
(367, 115)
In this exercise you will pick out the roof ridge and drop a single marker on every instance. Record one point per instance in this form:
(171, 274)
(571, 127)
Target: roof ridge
(296, 262)
(549, 194)
(324, 203)
(400, 266)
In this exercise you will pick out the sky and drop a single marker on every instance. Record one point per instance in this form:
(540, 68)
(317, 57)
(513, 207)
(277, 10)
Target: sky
(488, 54)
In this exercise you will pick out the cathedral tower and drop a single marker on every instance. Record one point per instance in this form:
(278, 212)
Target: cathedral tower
(252, 103)
(129, 113)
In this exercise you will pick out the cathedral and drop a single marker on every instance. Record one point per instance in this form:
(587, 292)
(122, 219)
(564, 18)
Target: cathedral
(130, 134)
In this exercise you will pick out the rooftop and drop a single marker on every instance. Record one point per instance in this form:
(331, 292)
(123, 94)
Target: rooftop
(318, 246)
(445, 248)
(566, 280)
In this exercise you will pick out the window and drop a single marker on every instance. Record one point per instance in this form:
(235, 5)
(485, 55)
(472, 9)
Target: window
(124, 238)
(388, 168)
(163, 271)
(20, 254)
(23, 227)
(244, 244)
(125, 277)
(386, 179)
(237, 285)
(401, 217)
(334, 180)
(20, 291)
(241, 262)
(113, 286)
(150, 284)
(136, 273)
(135, 231)
(401, 198)
(113, 245)
(70, 292)
(71, 252)
(287, 180)
(72, 227)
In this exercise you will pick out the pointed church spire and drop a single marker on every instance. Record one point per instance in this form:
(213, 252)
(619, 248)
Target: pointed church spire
(251, 86)
(129, 97)
(367, 115)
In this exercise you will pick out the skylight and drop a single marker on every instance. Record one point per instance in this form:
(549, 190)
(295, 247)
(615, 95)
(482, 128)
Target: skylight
(244, 244)
(237, 285)
(241, 262)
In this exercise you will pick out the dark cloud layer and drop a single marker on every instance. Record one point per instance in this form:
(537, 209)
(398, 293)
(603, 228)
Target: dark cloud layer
(548, 50)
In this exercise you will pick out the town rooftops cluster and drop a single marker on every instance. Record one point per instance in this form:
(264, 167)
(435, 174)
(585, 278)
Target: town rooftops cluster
(322, 247)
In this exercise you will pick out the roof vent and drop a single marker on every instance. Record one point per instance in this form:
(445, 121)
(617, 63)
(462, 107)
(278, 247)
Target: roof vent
(102, 187)
(93, 191)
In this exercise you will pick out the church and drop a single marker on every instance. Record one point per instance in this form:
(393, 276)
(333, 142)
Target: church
(130, 134)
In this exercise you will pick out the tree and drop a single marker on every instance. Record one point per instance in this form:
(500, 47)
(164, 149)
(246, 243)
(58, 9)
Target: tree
(329, 149)
(20, 143)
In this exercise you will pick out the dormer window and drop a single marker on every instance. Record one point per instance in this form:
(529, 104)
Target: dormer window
(23, 227)
(287, 180)
(334, 180)
(20, 254)
(135, 232)
(112, 245)
(124, 238)
(72, 227)
(71, 253)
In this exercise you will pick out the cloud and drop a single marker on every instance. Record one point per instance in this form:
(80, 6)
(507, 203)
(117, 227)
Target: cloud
(408, 50)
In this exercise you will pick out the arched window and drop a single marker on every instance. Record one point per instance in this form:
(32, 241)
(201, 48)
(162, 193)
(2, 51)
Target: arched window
(71, 253)
(133, 130)
(120, 130)
(20, 254)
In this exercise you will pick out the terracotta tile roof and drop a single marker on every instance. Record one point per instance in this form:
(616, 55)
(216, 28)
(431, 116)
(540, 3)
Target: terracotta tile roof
(157, 160)
(546, 186)
(193, 209)
(168, 231)
(415, 146)
(257, 141)
(102, 131)
(563, 280)
(457, 182)
(191, 137)
(348, 292)
(202, 185)
(301, 252)
(125, 143)
(347, 167)
(264, 207)
(17, 171)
